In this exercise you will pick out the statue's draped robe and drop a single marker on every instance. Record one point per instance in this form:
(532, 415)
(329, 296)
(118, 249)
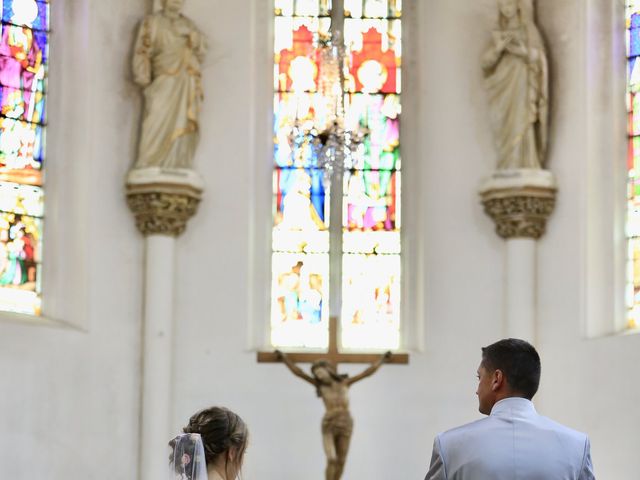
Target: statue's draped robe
(518, 100)
(166, 62)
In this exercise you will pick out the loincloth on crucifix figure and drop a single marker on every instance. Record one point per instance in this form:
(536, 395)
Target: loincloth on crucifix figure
(337, 423)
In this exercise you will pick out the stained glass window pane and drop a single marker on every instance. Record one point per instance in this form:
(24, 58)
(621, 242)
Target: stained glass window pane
(22, 104)
(375, 62)
(299, 311)
(23, 77)
(373, 8)
(376, 8)
(300, 235)
(309, 8)
(371, 200)
(633, 164)
(20, 247)
(371, 207)
(370, 216)
(291, 111)
(283, 7)
(371, 301)
(28, 13)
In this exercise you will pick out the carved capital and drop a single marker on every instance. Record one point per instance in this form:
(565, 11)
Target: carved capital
(163, 210)
(163, 200)
(519, 212)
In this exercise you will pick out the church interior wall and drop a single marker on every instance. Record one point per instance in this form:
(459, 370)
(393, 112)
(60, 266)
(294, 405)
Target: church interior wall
(72, 390)
(71, 385)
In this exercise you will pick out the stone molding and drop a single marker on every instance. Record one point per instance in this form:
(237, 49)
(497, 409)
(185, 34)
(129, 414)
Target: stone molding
(163, 208)
(520, 212)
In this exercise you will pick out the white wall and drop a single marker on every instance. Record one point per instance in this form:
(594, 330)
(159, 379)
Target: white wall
(71, 395)
(589, 379)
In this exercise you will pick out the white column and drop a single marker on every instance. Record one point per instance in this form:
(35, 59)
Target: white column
(162, 203)
(520, 288)
(155, 429)
(520, 201)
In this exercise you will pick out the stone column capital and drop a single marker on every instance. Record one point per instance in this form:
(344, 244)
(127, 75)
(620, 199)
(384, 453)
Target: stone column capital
(163, 201)
(519, 202)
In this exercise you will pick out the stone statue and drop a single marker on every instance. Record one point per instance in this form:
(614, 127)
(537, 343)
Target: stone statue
(337, 424)
(516, 77)
(167, 63)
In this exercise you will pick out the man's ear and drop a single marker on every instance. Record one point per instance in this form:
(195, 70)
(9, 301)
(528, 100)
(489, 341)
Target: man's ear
(497, 380)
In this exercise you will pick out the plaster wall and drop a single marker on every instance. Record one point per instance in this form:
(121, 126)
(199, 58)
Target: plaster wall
(70, 384)
(70, 400)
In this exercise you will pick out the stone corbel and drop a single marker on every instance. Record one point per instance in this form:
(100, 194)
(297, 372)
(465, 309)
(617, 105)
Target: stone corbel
(519, 202)
(163, 200)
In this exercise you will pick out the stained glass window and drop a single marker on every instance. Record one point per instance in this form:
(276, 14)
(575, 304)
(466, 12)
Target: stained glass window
(368, 221)
(23, 78)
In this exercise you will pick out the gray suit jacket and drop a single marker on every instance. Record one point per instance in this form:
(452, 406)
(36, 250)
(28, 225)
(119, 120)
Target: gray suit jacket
(513, 443)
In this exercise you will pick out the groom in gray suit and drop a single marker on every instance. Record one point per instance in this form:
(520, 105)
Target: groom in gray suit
(514, 441)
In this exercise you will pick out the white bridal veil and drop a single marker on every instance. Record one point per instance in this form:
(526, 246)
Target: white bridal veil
(187, 460)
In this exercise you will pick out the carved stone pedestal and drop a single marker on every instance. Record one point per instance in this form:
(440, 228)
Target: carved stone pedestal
(162, 201)
(520, 202)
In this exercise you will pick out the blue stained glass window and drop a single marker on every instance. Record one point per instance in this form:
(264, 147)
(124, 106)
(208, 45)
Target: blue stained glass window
(28, 13)
(634, 41)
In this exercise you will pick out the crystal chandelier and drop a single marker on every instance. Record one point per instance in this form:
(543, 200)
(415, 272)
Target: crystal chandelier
(334, 144)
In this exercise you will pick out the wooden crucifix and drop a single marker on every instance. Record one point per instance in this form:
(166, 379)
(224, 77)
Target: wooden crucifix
(333, 388)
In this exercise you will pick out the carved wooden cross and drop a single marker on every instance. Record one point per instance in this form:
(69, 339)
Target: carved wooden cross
(333, 355)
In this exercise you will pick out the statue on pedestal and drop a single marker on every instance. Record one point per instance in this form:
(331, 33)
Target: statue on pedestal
(516, 78)
(337, 423)
(520, 195)
(167, 64)
(163, 190)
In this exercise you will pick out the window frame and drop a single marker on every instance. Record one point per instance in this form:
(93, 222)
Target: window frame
(602, 241)
(65, 289)
(413, 303)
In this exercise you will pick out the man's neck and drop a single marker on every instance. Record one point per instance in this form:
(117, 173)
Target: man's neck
(503, 395)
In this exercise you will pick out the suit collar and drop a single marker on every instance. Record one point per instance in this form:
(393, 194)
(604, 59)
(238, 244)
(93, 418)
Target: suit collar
(513, 405)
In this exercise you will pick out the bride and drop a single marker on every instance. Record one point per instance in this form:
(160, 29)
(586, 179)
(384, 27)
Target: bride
(212, 446)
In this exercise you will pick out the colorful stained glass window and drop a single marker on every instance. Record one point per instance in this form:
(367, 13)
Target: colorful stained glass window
(23, 79)
(304, 240)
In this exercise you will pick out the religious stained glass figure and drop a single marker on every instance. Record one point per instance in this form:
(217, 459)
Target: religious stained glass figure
(370, 218)
(24, 59)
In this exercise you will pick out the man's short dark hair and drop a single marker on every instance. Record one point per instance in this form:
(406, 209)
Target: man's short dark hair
(518, 361)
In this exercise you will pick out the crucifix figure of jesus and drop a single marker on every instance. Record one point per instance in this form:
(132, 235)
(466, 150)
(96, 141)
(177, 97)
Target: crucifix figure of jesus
(333, 388)
(337, 423)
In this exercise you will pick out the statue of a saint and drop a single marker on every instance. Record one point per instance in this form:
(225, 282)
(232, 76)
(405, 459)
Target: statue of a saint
(337, 424)
(516, 73)
(167, 63)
